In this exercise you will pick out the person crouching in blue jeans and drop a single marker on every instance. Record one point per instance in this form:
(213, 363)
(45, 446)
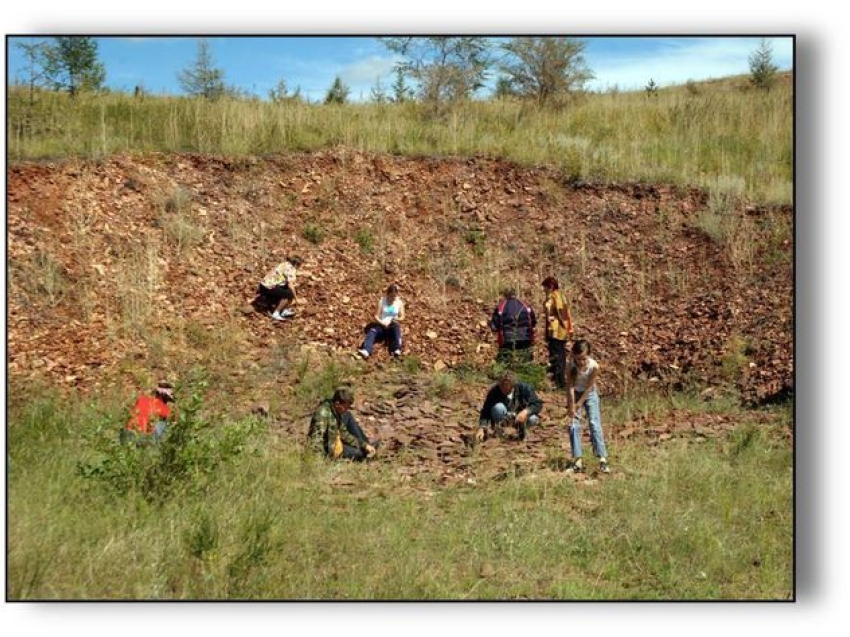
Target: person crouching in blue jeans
(386, 326)
(581, 392)
(509, 402)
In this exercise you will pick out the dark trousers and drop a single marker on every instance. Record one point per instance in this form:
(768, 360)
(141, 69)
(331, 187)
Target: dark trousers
(354, 453)
(558, 361)
(377, 332)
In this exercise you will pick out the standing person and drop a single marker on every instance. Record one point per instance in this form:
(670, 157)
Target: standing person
(278, 288)
(512, 401)
(387, 324)
(149, 417)
(335, 432)
(559, 329)
(581, 392)
(513, 321)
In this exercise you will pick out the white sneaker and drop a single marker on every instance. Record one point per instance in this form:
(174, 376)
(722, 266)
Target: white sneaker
(276, 316)
(287, 312)
(363, 353)
(397, 352)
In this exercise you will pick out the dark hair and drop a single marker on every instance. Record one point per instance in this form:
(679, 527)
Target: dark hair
(507, 376)
(392, 289)
(168, 395)
(509, 293)
(296, 261)
(550, 282)
(581, 346)
(343, 395)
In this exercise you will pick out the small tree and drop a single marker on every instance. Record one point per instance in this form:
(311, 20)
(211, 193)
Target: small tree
(444, 68)
(279, 93)
(504, 88)
(651, 88)
(71, 63)
(203, 79)
(337, 93)
(401, 92)
(762, 69)
(35, 55)
(546, 69)
(377, 94)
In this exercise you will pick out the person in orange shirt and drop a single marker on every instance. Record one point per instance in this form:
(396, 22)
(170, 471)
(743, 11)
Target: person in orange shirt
(149, 418)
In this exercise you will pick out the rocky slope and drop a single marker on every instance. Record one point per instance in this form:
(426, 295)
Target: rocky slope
(100, 251)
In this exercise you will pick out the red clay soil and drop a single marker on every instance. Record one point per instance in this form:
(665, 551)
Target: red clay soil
(661, 301)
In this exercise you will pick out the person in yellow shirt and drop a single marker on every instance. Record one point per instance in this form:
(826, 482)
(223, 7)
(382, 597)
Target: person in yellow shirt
(559, 329)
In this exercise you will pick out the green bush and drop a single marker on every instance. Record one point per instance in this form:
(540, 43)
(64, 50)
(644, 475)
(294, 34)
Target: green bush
(314, 233)
(190, 452)
(365, 240)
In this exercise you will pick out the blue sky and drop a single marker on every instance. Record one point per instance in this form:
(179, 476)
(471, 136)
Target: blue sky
(256, 64)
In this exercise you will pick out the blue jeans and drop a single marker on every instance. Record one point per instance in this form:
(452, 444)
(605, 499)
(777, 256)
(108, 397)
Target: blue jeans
(377, 332)
(500, 411)
(591, 409)
(141, 438)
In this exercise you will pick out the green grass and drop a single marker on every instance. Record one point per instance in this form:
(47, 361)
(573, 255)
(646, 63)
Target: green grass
(719, 135)
(675, 521)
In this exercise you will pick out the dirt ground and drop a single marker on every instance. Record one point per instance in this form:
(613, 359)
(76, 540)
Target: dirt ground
(178, 243)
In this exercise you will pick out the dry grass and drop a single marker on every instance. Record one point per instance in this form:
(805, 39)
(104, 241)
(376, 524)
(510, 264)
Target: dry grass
(139, 276)
(679, 137)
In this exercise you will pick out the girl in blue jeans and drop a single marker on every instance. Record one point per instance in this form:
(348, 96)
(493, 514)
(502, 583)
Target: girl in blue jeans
(581, 392)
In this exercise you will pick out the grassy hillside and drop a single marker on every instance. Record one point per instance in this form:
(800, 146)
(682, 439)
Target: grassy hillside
(697, 135)
(139, 227)
(248, 517)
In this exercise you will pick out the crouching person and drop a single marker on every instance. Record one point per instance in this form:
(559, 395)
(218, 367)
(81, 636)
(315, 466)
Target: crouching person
(509, 403)
(149, 418)
(334, 431)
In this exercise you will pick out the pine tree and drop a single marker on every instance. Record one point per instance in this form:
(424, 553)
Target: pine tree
(203, 79)
(401, 93)
(762, 69)
(337, 93)
(377, 94)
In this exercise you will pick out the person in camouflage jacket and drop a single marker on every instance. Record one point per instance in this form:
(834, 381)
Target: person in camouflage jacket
(335, 432)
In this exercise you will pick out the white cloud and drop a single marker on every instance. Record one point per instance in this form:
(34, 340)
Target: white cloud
(368, 70)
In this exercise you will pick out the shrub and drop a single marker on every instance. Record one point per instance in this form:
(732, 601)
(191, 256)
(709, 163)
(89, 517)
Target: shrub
(189, 452)
(314, 233)
(365, 240)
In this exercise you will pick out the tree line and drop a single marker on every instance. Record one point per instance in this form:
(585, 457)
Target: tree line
(436, 70)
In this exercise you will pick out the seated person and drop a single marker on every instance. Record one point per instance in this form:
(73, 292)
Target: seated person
(334, 431)
(149, 418)
(386, 326)
(512, 401)
(277, 289)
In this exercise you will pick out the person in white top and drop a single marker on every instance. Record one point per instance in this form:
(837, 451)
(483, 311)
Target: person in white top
(581, 392)
(387, 324)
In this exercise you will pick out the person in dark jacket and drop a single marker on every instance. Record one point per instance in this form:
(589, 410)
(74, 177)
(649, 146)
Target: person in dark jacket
(510, 402)
(335, 433)
(513, 321)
